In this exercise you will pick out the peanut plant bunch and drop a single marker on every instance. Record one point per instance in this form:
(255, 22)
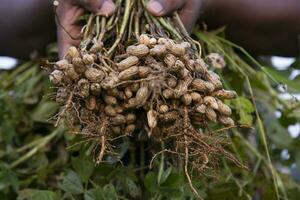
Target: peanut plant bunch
(119, 83)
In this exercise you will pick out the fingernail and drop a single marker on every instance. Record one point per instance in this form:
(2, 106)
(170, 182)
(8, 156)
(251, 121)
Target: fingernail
(107, 8)
(155, 7)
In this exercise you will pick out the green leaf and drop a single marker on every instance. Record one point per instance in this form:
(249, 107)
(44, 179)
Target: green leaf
(32, 194)
(245, 104)
(150, 182)
(165, 175)
(8, 178)
(245, 118)
(84, 166)
(44, 111)
(132, 188)
(292, 85)
(72, 183)
(110, 192)
(174, 180)
(94, 194)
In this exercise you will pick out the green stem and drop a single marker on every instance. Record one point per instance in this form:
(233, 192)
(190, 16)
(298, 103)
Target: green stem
(42, 143)
(123, 27)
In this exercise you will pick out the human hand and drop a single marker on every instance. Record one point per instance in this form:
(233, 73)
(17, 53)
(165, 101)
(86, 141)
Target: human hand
(189, 10)
(68, 12)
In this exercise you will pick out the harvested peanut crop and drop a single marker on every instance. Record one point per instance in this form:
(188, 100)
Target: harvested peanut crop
(134, 73)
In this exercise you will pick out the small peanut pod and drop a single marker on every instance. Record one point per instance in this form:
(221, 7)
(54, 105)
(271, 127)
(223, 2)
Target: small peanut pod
(144, 39)
(170, 60)
(196, 97)
(178, 65)
(129, 129)
(190, 65)
(72, 52)
(225, 94)
(132, 103)
(110, 100)
(128, 73)
(172, 82)
(211, 101)
(167, 93)
(56, 77)
(186, 99)
(71, 73)
(201, 109)
(62, 64)
(130, 118)
(216, 60)
(118, 120)
(158, 50)
(91, 103)
(200, 66)
(183, 73)
(128, 93)
(211, 114)
(227, 121)
(169, 116)
(202, 86)
(83, 88)
(176, 49)
(94, 75)
(79, 66)
(128, 62)
(223, 108)
(110, 111)
(88, 59)
(110, 81)
(97, 47)
(151, 118)
(142, 95)
(153, 41)
(95, 89)
(144, 71)
(163, 108)
(139, 50)
(162, 41)
(181, 88)
(214, 78)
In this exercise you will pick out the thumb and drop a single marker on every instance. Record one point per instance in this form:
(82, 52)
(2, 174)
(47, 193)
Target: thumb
(164, 7)
(99, 7)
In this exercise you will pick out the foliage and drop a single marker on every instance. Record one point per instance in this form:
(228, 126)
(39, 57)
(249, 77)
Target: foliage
(39, 161)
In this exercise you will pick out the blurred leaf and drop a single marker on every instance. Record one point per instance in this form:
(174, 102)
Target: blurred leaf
(283, 79)
(8, 178)
(72, 183)
(84, 166)
(44, 111)
(32, 194)
(150, 182)
(94, 194)
(132, 188)
(110, 192)
(165, 175)
(174, 180)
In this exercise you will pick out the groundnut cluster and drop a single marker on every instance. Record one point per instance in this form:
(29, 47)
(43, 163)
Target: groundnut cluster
(146, 87)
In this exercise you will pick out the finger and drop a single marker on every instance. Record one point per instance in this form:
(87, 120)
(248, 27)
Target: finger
(190, 13)
(99, 7)
(164, 7)
(68, 29)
